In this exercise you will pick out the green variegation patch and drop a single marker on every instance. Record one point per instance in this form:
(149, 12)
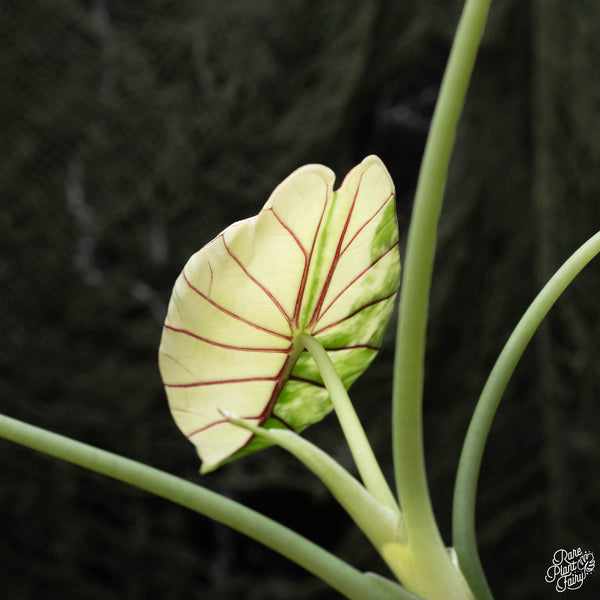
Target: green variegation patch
(313, 261)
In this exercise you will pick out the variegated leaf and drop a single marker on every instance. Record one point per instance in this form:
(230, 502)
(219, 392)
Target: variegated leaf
(314, 261)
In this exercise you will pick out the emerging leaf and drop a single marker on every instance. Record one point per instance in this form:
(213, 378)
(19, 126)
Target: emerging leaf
(312, 261)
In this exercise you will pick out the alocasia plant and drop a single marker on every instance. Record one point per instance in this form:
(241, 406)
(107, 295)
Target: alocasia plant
(318, 270)
(313, 261)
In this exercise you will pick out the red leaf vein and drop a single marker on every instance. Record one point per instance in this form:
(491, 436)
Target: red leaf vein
(232, 314)
(267, 292)
(367, 222)
(226, 346)
(347, 287)
(352, 314)
(219, 382)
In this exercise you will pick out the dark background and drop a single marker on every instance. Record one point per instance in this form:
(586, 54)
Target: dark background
(132, 133)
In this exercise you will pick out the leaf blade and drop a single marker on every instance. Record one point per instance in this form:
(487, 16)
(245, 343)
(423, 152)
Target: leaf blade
(313, 260)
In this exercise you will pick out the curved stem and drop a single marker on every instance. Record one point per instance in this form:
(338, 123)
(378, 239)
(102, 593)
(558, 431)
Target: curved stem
(382, 526)
(409, 463)
(378, 522)
(337, 573)
(364, 457)
(465, 491)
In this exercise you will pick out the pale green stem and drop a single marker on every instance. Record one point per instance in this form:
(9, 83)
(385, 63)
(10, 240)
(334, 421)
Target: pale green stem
(338, 574)
(364, 457)
(465, 491)
(378, 522)
(381, 525)
(409, 463)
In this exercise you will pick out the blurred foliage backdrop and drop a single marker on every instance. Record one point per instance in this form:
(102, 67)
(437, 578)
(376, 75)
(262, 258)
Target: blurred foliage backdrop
(132, 133)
